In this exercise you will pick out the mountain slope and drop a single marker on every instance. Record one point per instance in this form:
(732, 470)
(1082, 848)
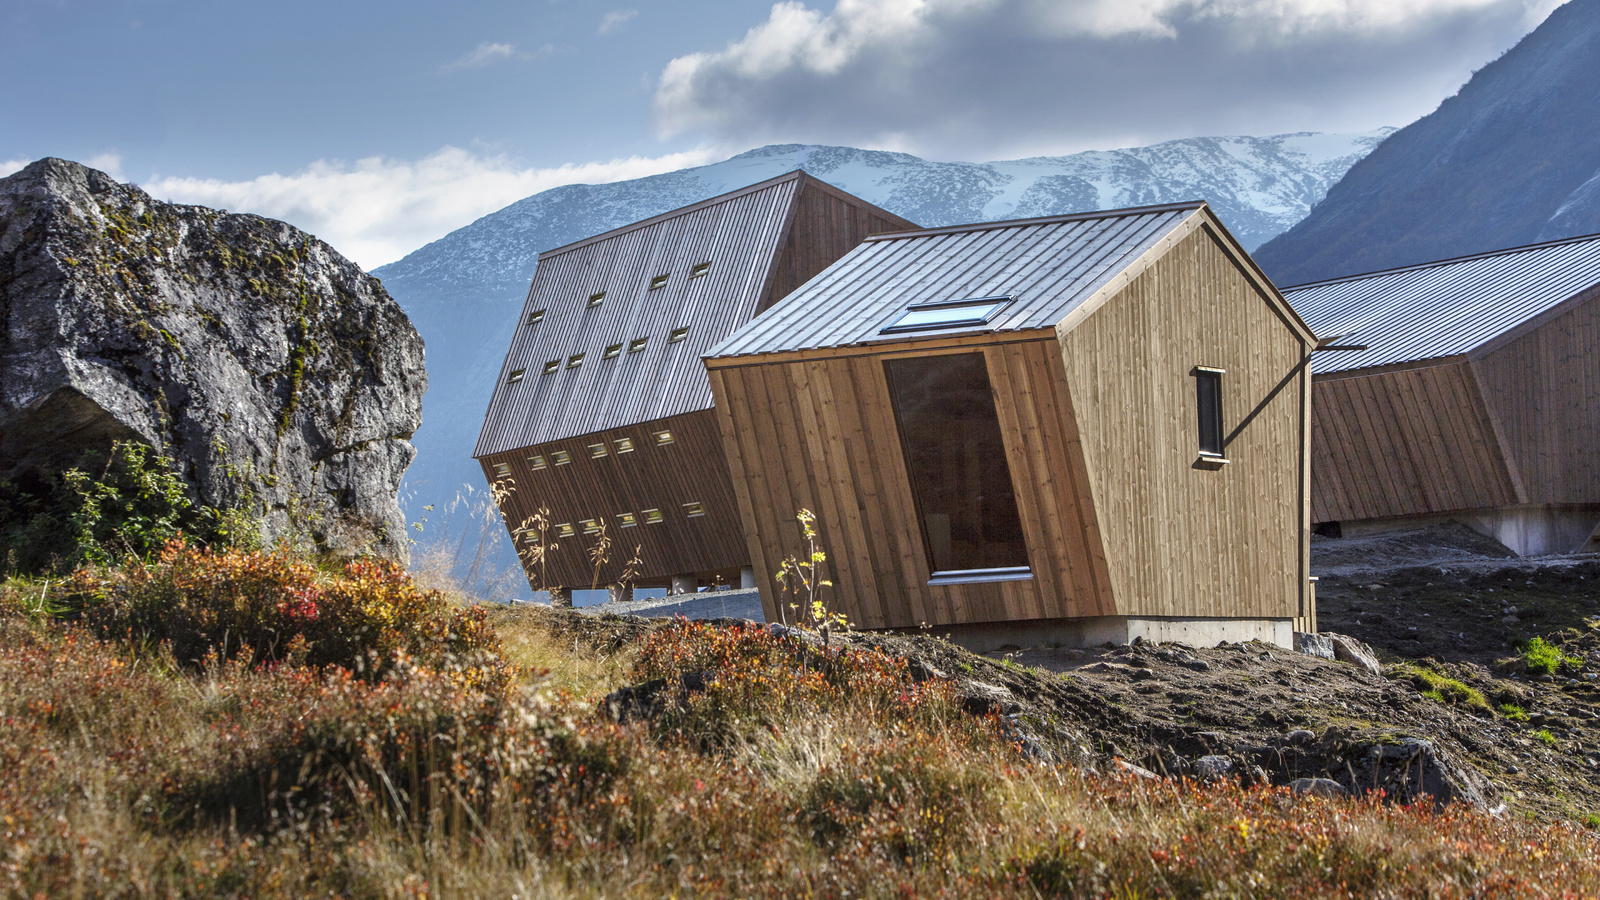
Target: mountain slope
(464, 290)
(1511, 159)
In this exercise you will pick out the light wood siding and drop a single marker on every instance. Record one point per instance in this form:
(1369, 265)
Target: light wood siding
(690, 469)
(827, 223)
(1180, 540)
(1411, 441)
(1543, 388)
(821, 435)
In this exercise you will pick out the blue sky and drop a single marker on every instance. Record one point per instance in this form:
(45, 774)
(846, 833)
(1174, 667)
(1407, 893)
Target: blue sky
(380, 126)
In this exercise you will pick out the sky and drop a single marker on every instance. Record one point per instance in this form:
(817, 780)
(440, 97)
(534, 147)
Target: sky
(380, 126)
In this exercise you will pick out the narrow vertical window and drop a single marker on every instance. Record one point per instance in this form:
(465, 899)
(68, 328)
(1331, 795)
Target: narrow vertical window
(1208, 400)
(956, 457)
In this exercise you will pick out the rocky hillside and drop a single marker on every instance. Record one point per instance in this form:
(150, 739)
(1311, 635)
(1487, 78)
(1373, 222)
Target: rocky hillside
(1513, 158)
(464, 289)
(278, 375)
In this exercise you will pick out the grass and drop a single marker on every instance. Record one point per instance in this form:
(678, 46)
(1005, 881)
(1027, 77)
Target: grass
(1544, 658)
(1544, 737)
(1442, 688)
(1513, 712)
(765, 767)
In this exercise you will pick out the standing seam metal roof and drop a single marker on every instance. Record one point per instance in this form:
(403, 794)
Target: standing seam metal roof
(1047, 266)
(1444, 308)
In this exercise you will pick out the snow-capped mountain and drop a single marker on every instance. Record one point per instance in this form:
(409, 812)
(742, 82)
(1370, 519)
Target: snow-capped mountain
(465, 290)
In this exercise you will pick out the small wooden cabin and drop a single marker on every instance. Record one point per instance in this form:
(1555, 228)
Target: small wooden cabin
(602, 413)
(1080, 428)
(1476, 398)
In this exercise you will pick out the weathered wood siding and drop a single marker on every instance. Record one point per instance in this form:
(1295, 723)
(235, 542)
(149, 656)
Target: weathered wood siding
(821, 435)
(826, 224)
(690, 469)
(1181, 540)
(1413, 440)
(1543, 389)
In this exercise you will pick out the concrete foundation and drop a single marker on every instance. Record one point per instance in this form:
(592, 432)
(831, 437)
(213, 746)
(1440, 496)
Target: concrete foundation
(747, 577)
(684, 584)
(619, 593)
(1096, 630)
(1525, 530)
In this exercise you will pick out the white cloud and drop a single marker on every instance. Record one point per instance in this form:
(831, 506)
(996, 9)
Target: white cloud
(616, 19)
(109, 162)
(940, 75)
(376, 210)
(10, 166)
(485, 54)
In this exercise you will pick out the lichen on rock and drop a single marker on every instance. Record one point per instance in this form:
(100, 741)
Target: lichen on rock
(275, 372)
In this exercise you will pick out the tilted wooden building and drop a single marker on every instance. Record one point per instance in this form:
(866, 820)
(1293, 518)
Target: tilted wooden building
(1083, 428)
(602, 414)
(1477, 398)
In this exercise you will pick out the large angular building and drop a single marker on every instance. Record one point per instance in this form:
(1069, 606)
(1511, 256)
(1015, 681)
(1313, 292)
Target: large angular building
(1082, 428)
(1475, 397)
(601, 425)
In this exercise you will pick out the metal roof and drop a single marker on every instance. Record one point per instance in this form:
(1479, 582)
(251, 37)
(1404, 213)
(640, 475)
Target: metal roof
(738, 233)
(1447, 307)
(1046, 266)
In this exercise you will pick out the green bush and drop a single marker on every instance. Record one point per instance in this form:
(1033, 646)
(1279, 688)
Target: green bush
(1544, 658)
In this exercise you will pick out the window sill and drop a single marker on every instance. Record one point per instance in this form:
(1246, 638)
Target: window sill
(975, 576)
(1211, 462)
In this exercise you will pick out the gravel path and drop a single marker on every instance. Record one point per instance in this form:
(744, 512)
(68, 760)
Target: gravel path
(736, 604)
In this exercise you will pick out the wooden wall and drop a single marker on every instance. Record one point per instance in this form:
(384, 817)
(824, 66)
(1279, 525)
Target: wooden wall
(1543, 391)
(821, 435)
(1404, 442)
(690, 469)
(826, 225)
(1181, 540)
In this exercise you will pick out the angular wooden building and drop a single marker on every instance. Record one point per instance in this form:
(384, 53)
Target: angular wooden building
(1477, 397)
(1082, 428)
(602, 414)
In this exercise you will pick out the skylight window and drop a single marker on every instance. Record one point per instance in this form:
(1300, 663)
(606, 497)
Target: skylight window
(515, 376)
(552, 366)
(947, 314)
(637, 344)
(700, 269)
(575, 360)
(660, 281)
(612, 352)
(535, 317)
(677, 335)
(596, 299)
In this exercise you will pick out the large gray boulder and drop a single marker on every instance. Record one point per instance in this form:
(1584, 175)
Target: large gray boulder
(275, 372)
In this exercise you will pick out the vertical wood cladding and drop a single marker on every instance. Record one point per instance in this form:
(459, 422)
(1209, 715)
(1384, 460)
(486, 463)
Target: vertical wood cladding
(827, 224)
(820, 434)
(1541, 388)
(1179, 539)
(692, 469)
(1411, 441)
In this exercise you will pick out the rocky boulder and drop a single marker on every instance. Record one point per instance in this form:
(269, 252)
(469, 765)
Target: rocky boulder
(277, 374)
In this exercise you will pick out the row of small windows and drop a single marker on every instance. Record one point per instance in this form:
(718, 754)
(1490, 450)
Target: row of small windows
(598, 450)
(660, 281)
(612, 351)
(693, 510)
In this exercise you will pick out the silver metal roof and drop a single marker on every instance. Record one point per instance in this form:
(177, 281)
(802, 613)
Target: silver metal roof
(1047, 266)
(1444, 308)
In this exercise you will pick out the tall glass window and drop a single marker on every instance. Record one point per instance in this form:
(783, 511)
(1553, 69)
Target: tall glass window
(950, 435)
(1208, 400)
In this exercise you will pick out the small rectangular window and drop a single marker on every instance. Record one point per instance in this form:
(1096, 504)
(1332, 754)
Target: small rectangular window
(677, 335)
(637, 344)
(537, 462)
(612, 352)
(502, 469)
(566, 530)
(660, 281)
(653, 516)
(627, 520)
(624, 445)
(694, 510)
(700, 269)
(535, 317)
(1208, 401)
(561, 457)
(947, 314)
(575, 360)
(597, 450)
(515, 376)
(552, 366)
(596, 299)
(663, 438)
(591, 526)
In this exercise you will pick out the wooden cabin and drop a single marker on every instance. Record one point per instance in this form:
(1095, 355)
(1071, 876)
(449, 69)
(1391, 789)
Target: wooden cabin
(1081, 428)
(602, 414)
(1475, 396)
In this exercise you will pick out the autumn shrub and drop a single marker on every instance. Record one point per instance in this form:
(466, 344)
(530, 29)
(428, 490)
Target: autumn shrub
(274, 607)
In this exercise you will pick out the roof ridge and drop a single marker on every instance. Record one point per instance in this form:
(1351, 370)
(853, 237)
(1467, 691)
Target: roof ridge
(792, 175)
(1152, 209)
(1451, 260)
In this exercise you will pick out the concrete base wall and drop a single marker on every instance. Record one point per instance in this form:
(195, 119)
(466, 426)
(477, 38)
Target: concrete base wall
(1096, 630)
(1525, 530)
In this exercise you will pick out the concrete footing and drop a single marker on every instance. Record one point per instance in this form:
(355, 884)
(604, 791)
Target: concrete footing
(1096, 630)
(619, 593)
(684, 584)
(1524, 530)
(747, 577)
